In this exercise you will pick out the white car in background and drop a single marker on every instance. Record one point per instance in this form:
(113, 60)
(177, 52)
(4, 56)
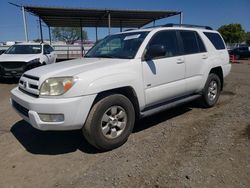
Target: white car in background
(25, 56)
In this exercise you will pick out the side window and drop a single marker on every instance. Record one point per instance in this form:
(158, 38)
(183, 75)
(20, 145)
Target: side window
(169, 40)
(46, 49)
(200, 43)
(50, 49)
(190, 45)
(216, 40)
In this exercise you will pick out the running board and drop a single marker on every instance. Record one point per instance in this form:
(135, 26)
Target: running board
(166, 106)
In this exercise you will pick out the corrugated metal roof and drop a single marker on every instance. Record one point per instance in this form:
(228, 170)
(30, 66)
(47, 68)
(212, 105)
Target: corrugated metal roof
(74, 17)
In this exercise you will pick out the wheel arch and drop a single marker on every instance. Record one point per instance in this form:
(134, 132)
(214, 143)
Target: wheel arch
(127, 91)
(219, 72)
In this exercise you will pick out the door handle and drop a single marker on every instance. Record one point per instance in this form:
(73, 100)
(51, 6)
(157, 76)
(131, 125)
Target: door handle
(180, 61)
(204, 56)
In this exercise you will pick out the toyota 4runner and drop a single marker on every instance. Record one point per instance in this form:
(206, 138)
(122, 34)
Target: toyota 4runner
(124, 77)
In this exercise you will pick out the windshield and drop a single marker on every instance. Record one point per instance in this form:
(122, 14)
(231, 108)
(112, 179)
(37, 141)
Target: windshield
(24, 49)
(124, 45)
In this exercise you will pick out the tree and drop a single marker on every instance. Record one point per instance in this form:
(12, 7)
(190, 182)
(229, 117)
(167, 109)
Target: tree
(247, 37)
(232, 33)
(68, 34)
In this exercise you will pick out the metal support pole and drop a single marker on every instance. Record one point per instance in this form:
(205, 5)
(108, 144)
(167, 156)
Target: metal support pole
(25, 25)
(81, 39)
(154, 23)
(96, 34)
(41, 29)
(109, 20)
(181, 17)
(49, 35)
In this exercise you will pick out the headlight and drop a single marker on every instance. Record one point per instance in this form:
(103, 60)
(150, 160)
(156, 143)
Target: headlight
(56, 86)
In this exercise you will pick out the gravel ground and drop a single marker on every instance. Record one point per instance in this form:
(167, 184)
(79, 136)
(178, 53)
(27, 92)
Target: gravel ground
(184, 147)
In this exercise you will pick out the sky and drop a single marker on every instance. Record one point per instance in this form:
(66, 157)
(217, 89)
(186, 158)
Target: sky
(213, 13)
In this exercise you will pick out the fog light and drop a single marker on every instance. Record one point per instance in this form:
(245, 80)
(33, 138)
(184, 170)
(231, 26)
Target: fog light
(52, 117)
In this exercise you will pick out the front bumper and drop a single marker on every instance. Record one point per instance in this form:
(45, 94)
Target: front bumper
(75, 110)
(4, 73)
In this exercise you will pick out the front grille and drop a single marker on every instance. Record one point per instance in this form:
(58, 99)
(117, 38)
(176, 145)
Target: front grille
(29, 84)
(13, 65)
(20, 108)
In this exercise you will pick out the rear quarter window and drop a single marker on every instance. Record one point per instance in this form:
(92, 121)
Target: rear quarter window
(216, 40)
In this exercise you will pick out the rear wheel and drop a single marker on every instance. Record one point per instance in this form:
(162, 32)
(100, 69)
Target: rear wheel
(211, 91)
(110, 122)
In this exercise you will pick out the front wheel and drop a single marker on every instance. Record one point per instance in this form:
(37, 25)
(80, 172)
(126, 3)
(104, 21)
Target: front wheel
(211, 91)
(110, 122)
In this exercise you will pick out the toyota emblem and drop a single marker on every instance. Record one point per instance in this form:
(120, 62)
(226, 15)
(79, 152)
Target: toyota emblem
(25, 84)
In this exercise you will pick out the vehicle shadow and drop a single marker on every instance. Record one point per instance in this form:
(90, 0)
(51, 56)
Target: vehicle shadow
(50, 142)
(60, 142)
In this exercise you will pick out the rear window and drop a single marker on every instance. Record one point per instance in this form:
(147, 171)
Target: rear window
(216, 40)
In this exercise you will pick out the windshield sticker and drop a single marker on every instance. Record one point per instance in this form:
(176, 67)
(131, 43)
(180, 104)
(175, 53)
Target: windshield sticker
(132, 37)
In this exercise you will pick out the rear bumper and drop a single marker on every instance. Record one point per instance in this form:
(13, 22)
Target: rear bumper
(226, 69)
(75, 110)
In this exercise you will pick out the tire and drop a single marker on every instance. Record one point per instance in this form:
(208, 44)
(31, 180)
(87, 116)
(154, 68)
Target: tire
(211, 91)
(110, 122)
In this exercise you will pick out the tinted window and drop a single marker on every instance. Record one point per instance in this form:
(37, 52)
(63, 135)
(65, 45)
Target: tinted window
(51, 49)
(216, 40)
(169, 40)
(48, 49)
(200, 43)
(190, 45)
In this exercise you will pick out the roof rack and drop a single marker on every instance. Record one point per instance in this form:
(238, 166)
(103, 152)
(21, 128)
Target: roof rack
(187, 25)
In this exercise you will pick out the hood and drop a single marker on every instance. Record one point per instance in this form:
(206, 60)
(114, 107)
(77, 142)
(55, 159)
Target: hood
(18, 57)
(73, 67)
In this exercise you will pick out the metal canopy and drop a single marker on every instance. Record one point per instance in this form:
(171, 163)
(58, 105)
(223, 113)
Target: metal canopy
(73, 17)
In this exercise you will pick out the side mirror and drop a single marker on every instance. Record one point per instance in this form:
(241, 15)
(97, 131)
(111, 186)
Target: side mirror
(45, 52)
(155, 51)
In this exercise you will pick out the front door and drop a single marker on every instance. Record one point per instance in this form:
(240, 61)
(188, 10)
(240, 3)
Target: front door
(164, 77)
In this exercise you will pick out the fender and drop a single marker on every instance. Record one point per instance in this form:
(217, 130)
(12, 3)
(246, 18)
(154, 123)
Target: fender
(115, 81)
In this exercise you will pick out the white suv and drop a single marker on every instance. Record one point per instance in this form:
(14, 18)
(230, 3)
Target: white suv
(124, 77)
(25, 56)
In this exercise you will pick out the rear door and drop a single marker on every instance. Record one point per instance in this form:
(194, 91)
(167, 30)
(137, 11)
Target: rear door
(195, 55)
(164, 76)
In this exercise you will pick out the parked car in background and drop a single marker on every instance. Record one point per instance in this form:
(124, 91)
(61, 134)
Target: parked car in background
(240, 52)
(25, 56)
